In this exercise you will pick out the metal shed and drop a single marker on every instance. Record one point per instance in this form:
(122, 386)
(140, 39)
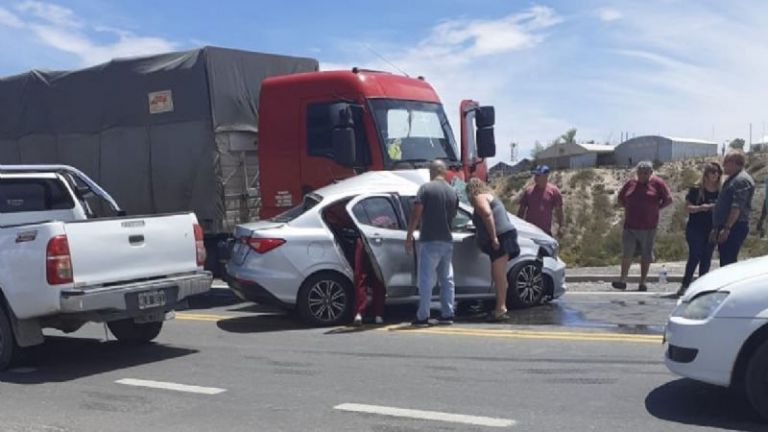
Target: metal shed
(662, 149)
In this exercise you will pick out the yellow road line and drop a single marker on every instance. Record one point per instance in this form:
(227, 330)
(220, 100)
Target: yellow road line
(540, 335)
(186, 316)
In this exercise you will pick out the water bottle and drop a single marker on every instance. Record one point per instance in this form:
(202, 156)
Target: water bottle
(663, 275)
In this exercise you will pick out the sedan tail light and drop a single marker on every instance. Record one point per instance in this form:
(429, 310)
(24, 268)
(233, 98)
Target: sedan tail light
(262, 245)
(199, 245)
(58, 261)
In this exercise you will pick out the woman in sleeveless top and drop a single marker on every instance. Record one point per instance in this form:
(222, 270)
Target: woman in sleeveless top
(496, 237)
(699, 204)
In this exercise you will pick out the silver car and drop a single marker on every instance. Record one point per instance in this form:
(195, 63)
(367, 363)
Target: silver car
(302, 258)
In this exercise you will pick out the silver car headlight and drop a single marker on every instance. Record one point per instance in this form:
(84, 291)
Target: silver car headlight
(701, 307)
(548, 247)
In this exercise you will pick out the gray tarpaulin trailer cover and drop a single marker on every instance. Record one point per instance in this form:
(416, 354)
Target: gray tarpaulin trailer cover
(163, 133)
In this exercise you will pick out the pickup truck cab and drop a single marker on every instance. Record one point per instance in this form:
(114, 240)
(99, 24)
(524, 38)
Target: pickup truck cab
(69, 255)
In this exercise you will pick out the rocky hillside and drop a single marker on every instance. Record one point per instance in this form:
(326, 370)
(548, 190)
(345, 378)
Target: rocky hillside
(594, 221)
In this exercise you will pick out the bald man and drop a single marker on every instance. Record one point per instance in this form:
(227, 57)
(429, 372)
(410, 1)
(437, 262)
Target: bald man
(436, 206)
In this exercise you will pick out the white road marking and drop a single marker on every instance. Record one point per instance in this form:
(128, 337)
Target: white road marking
(170, 386)
(425, 415)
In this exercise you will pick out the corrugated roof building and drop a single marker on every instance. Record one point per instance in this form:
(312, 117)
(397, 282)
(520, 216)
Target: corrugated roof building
(661, 149)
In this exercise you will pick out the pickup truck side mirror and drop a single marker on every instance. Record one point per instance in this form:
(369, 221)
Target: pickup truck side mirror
(485, 118)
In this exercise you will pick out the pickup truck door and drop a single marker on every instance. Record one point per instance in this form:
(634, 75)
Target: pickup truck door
(379, 219)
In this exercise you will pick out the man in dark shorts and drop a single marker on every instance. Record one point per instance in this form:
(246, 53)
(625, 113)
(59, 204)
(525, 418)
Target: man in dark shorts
(642, 198)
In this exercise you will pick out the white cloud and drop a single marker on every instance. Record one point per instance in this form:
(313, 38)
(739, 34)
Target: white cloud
(9, 19)
(464, 40)
(51, 13)
(62, 29)
(609, 14)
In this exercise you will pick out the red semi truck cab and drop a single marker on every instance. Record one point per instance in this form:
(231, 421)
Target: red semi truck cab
(320, 127)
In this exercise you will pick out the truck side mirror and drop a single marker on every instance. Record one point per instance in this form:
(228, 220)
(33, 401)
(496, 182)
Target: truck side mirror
(485, 118)
(344, 146)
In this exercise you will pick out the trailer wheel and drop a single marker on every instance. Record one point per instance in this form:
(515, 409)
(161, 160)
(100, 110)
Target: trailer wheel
(127, 330)
(8, 347)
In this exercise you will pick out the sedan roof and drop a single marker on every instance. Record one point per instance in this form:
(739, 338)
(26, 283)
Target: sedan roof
(402, 181)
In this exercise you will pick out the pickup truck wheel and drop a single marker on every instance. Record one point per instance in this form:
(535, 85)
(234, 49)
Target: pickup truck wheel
(8, 348)
(756, 380)
(526, 285)
(127, 330)
(325, 299)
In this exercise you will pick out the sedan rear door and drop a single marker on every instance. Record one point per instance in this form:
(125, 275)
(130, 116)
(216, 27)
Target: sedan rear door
(378, 217)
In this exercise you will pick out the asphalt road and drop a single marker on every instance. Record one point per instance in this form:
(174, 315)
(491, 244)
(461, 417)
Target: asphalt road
(591, 361)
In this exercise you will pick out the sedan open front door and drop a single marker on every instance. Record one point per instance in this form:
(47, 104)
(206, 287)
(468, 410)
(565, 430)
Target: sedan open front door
(378, 217)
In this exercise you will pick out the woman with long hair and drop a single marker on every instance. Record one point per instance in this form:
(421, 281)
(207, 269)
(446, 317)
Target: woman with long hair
(698, 204)
(496, 236)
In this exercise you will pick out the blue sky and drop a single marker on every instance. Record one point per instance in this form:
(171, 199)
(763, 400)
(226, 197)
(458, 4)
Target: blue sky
(679, 68)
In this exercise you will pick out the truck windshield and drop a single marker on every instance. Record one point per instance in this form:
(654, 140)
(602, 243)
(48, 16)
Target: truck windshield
(415, 132)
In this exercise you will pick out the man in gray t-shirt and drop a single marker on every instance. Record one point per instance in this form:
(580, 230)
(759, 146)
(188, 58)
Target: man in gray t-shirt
(730, 217)
(436, 206)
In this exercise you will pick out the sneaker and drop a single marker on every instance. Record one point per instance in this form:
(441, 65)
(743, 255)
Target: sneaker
(358, 321)
(420, 323)
(379, 320)
(619, 285)
(445, 321)
(642, 288)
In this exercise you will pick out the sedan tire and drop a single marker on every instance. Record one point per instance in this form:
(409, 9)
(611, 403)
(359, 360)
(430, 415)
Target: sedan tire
(756, 380)
(526, 285)
(325, 299)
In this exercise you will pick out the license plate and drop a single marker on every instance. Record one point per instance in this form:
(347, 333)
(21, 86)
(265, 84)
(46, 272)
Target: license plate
(151, 299)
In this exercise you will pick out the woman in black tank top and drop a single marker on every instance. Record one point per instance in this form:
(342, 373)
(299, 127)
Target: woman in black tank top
(496, 236)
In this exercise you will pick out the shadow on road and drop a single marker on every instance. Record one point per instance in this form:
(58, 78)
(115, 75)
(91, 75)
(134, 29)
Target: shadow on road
(62, 359)
(262, 323)
(212, 299)
(694, 403)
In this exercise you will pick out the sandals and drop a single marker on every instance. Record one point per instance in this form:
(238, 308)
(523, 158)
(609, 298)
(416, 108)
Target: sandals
(494, 317)
(619, 285)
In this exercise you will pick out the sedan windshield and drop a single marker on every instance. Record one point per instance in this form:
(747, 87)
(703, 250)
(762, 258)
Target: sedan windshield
(413, 131)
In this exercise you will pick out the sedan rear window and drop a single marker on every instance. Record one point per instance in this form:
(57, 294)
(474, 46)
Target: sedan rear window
(287, 216)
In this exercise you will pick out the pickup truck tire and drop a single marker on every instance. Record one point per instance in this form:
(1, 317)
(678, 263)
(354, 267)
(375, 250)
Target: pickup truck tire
(756, 380)
(8, 347)
(325, 299)
(127, 330)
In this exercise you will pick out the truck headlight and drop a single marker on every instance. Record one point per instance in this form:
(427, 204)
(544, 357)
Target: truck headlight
(547, 248)
(701, 307)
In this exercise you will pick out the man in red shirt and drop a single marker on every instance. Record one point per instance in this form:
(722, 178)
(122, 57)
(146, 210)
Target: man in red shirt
(642, 198)
(539, 200)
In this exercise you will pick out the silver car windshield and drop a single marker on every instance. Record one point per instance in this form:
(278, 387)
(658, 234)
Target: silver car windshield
(289, 215)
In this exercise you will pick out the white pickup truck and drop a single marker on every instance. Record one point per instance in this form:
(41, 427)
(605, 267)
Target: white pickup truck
(69, 255)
